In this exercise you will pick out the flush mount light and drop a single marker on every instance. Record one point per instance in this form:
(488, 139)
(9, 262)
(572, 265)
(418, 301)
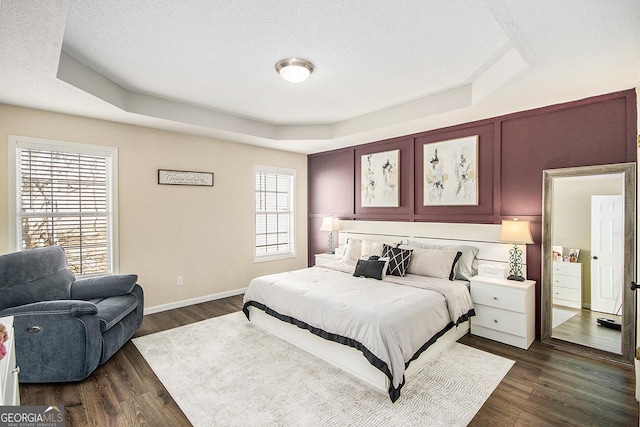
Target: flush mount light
(294, 70)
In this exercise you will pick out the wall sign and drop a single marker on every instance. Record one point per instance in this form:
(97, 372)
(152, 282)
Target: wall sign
(171, 177)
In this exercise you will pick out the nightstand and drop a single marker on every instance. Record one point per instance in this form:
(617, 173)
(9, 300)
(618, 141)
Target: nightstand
(505, 310)
(567, 284)
(326, 258)
(9, 391)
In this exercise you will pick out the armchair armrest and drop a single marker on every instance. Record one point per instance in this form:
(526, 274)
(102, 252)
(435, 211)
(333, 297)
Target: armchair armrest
(57, 340)
(59, 307)
(103, 286)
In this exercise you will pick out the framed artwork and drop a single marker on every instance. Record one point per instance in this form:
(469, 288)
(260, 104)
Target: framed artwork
(380, 186)
(573, 255)
(172, 177)
(450, 172)
(558, 251)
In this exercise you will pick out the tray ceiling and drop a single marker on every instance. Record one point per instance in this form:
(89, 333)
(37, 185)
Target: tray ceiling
(382, 69)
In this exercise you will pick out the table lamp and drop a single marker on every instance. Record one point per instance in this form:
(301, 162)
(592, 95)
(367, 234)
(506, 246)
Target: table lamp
(330, 224)
(516, 232)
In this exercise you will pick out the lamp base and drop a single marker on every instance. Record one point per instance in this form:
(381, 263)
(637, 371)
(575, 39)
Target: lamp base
(516, 278)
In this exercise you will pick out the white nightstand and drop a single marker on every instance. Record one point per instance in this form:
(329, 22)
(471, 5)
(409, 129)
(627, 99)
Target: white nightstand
(326, 258)
(9, 391)
(567, 284)
(505, 310)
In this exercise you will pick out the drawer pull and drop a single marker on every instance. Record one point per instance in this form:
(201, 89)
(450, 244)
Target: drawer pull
(34, 329)
(495, 320)
(495, 298)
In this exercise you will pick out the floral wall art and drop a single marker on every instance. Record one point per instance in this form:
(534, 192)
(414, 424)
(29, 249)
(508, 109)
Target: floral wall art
(451, 172)
(380, 179)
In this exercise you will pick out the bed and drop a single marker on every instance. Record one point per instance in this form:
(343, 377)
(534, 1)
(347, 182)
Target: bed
(379, 327)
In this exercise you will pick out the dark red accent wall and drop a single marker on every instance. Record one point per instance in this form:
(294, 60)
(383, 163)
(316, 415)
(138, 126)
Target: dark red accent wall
(513, 152)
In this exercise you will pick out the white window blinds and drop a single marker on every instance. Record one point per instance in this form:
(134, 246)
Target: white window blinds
(274, 213)
(65, 198)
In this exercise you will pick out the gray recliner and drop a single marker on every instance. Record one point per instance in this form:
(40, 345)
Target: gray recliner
(65, 328)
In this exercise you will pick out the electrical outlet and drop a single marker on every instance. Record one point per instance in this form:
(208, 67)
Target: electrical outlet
(180, 281)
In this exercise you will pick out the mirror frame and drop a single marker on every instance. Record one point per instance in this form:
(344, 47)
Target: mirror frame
(628, 332)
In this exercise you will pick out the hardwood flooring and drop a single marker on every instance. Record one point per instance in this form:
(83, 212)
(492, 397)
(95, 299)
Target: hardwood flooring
(545, 387)
(584, 329)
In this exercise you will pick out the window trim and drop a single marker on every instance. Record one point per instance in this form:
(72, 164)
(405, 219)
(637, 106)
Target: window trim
(281, 171)
(17, 142)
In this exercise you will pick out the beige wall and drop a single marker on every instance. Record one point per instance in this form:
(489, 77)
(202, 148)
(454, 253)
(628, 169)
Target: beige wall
(201, 233)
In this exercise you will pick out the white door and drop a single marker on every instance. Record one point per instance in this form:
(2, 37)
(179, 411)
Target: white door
(607, 231)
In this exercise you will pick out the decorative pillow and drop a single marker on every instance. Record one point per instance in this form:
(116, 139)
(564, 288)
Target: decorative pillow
(431, 262)
(386, 263)
(370, 248)
(373, 268)
(467, 266)
(398, 259)
(352, 253)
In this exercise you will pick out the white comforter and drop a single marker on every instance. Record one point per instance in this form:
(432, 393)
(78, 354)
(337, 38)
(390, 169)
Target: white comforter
(392, 319)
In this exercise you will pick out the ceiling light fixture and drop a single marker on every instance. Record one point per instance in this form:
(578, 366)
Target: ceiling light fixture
(294, 70)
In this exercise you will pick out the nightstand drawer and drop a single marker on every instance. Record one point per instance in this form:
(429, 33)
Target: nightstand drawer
(567, 281)
(504, 321)
(498, 296)
(566, 293)
(567, 268)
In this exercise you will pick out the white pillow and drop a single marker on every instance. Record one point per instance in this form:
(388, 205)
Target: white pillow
(467, 264)
(386, 265)
(431, 262)
(369, 248)
(353, 251)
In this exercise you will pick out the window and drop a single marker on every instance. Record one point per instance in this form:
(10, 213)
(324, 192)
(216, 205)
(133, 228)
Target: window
(273, 214)
(64, 194)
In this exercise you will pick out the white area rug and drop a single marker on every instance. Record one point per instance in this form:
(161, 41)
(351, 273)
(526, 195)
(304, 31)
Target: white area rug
(560, 315)
(227, 372)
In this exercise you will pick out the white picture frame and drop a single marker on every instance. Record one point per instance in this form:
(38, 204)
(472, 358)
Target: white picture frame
(380, 185)
(450, 172)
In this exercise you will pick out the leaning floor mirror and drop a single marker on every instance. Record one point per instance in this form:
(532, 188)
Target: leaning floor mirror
(588, 260)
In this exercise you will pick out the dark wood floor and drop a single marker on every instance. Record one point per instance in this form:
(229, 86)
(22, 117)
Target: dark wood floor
(583, 329)
(544, 387)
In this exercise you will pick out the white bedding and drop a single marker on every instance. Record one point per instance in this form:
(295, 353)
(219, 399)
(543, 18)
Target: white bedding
(391, 321)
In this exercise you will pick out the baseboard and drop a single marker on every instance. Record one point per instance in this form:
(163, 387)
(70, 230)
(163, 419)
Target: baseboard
(198, 300)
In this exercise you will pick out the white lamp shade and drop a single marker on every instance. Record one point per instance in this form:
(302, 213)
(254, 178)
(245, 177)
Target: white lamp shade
(514, 231)
(330, 223)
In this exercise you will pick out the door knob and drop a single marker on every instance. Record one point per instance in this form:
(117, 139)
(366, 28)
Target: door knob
(634, 286)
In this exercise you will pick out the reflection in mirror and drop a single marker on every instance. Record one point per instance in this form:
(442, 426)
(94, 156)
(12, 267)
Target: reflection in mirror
(580, 206)
(588, 257)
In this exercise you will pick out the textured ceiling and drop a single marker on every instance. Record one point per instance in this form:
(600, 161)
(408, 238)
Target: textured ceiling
(382, 68)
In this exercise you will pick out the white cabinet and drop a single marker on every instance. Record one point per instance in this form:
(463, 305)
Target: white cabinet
(9, 391)
(505, 310)
(322, 259)
(567, 284)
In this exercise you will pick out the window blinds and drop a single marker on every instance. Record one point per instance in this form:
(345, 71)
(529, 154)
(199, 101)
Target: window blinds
(273, 213)
(64, 199)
